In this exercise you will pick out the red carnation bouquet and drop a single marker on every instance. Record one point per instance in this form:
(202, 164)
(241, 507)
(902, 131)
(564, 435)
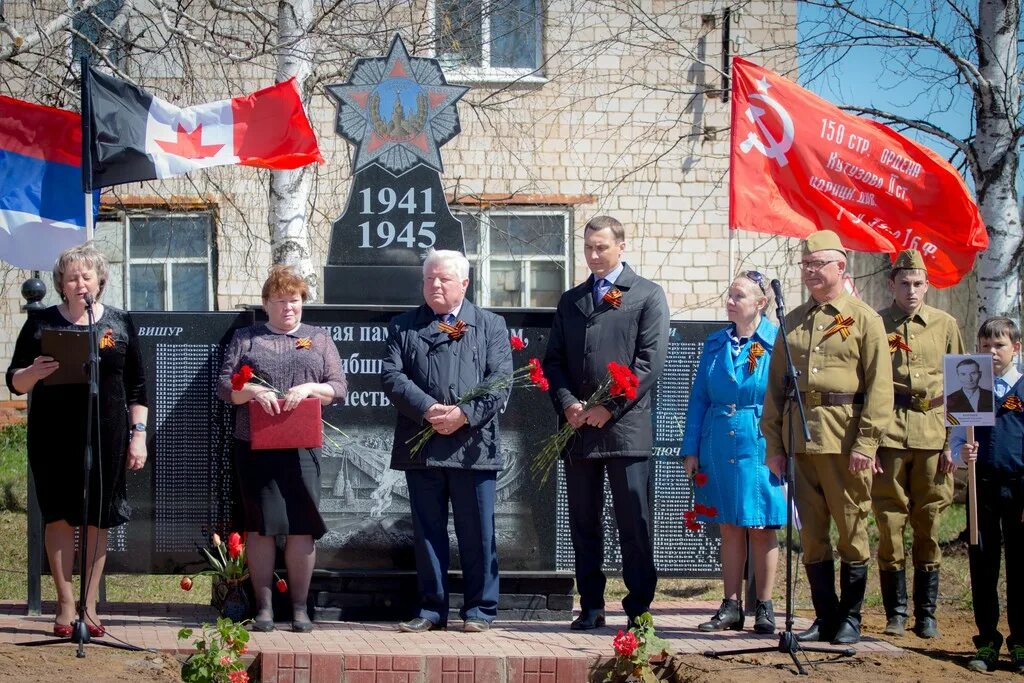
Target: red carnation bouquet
(530, 375)
(620, 382)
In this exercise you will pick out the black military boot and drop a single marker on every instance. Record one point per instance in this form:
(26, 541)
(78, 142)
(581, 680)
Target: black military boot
(853, 580)
(894, 598)
(926, 598)
(822, 578)
(728, 617)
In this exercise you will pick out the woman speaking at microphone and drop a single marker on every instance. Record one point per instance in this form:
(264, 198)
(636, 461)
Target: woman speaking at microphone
(57, 427)
(723, 449)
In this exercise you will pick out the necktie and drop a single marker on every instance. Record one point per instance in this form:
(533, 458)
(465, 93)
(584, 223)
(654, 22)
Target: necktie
(1001, 386)
(600, 289)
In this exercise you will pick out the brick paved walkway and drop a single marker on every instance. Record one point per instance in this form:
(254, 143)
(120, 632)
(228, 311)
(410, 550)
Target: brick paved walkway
(528, 652)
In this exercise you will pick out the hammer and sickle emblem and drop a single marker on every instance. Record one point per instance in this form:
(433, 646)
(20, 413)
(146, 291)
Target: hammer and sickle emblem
(776, 149)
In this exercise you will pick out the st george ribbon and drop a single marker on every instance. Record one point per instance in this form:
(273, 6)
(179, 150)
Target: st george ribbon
(396, 111)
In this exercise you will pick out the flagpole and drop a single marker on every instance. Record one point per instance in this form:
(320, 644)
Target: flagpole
(86, 147)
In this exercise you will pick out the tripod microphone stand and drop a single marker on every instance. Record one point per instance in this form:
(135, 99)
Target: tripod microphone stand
(788, 643)
(79, 627)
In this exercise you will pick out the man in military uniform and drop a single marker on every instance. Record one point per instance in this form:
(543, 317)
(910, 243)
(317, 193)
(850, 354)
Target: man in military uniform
(914, 476)
(842, 360)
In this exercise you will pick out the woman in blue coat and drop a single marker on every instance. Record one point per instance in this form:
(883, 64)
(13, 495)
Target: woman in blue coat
(724, 449)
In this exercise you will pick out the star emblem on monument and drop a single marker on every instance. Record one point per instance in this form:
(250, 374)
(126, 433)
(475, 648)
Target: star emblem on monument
(397, 110)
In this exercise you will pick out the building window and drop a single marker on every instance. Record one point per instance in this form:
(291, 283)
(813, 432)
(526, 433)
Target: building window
(169, 262)
(488, 39)
(520, 257)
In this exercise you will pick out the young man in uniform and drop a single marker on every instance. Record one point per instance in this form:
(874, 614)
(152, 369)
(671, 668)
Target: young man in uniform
(914, 474)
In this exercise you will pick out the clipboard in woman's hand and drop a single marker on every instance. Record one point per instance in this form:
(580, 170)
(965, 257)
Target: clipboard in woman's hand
(70, 348)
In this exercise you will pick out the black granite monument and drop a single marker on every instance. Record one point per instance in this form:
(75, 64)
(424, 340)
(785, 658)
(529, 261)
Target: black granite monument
(396, 111)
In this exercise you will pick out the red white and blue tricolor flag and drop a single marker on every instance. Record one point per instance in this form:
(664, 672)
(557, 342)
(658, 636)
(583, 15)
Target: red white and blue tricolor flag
(42, 206)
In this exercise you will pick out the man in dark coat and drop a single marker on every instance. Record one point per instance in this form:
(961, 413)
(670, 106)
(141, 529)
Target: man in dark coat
(435, 354)
(615, 315)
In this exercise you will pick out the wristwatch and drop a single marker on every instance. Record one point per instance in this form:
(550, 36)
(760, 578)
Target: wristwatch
(138, 427)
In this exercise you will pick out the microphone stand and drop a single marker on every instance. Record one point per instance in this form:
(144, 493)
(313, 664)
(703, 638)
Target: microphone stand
(788, 643)
(79, 627)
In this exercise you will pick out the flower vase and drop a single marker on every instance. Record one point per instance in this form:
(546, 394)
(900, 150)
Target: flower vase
(232, 598)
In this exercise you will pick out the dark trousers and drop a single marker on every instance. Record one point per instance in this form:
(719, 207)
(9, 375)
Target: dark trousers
(1000, 506)
(629, 480)
(471, 493)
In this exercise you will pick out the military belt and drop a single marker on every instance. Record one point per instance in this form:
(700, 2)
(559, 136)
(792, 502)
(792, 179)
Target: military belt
(815, 399)
(918, 404)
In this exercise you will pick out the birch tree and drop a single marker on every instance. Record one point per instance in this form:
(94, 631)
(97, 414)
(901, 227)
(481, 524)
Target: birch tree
(951, 45)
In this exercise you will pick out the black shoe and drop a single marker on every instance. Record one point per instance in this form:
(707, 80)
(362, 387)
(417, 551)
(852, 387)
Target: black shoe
(764, 617)
(728, 617)
(853, 580)
(419, 625)
(263, 626)
(813, 634)
(302, 625)
(587, 621)
(926, 598)
(894, 598)
(822, 578)
(985, 659)
(475, 626)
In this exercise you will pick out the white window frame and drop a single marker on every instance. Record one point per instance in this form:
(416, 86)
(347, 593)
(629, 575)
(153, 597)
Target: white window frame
(484, 254)
(130, 261)
(486, 73)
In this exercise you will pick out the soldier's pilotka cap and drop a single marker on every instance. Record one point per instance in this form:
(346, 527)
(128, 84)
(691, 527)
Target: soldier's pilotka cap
(909, 259)
(822, 240)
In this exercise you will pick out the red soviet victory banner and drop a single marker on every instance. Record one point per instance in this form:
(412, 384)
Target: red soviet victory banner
(800, 164)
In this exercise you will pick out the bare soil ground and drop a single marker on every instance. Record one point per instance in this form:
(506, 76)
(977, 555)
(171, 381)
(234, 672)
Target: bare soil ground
(53, 664)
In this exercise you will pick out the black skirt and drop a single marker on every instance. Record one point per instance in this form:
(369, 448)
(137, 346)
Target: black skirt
(280, 490)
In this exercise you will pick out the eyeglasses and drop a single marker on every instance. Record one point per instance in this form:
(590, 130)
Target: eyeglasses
(815, 266)
(757, 279)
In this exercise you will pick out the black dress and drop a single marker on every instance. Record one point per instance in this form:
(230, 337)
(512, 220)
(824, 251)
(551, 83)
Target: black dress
(57, 421)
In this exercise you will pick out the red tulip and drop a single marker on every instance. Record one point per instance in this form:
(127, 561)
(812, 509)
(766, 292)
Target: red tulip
(234, 544)
(282, 586)
(186, 583)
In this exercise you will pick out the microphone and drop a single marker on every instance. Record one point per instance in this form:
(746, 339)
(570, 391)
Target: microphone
(777, 291)
(88, 300)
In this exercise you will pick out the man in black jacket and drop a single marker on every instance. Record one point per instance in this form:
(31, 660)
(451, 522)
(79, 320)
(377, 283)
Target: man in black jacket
(615, 316)
(435, 354)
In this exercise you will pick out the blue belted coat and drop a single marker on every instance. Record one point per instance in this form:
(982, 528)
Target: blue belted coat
(723, 429)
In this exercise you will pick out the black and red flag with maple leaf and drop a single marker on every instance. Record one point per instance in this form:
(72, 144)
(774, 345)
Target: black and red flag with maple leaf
(135, 136)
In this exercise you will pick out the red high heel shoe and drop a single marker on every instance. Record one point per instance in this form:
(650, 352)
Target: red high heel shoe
(96, 631)
(62, 630)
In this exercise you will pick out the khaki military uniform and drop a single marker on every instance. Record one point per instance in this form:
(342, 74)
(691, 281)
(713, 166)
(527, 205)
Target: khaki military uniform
(840, 351)
(910, 484)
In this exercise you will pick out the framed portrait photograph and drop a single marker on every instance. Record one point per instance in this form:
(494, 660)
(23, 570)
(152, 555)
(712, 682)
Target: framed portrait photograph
(967, 387)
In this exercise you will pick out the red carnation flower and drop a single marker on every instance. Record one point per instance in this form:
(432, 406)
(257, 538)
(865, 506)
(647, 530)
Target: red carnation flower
(238, 677)
(542, 384)
(700, 479)
(710, 511)
(626, 643)
(517, 343)
(692, 526)
(282, 586)
(240, 378)
(690, 515)
(186, 583)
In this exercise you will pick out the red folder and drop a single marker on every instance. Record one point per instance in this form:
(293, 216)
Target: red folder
(298, 428)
